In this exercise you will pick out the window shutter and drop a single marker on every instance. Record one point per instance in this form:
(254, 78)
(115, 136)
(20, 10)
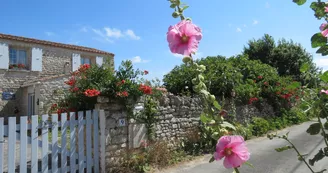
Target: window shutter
(36, 59)
(76, 61)
(99, 60)
(4, 56)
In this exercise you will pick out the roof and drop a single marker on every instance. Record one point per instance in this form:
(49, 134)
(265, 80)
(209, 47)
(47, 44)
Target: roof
(53, 44)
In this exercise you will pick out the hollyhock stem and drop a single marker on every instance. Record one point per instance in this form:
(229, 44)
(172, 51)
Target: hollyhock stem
(299, 154)
(236, 170)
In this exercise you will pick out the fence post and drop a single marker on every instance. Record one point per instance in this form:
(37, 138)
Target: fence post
(102, 140)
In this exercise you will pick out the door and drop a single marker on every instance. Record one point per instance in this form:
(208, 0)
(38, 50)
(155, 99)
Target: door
(31, 104)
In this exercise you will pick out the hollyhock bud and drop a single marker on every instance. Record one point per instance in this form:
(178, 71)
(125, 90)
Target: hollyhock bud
(323, 29)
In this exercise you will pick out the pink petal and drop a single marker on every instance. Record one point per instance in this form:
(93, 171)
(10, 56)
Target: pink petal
(322, 26)
(326, 9)
(222, 143)
(219, 155)
(241, 151)
(324, 32)
(232, 161)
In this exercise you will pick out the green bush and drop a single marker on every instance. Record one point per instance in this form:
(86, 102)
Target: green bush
(244, 131)
(260, 126)
(294, 116)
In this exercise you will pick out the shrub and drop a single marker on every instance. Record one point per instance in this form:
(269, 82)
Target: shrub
(260, 126)
(152, 155)
(244, 131)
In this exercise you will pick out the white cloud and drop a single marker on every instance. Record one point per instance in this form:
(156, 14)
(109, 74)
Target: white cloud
(255, 22)
(116, 33)
(321, 62)
(267, 5)
(84, 29)
(131, 34)
(108, 34)
(102, 37)
(48, 33)
(137, 59)
(239, 30)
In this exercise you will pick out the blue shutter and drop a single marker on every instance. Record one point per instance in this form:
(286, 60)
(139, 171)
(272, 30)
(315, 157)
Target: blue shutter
(4, 56)
(76, 61)
(36, 64)
(99, 60)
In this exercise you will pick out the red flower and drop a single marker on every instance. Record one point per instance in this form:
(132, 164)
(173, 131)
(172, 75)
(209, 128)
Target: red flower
(84, 67)
(297, 97)
(91, 92)
(122, 94)
(146, 72)
(266, 83)
(145, 89)
(75, 89)
(21, 66)
(123, 81)
(223, 113)
(251, 100)
(70, 82)
(259, 77)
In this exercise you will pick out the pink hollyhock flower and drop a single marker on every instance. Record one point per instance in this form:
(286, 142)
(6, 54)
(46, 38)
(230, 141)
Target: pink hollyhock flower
(234, 149)
(184, 38)
(326, 9)
(324, 92)
(324, 30)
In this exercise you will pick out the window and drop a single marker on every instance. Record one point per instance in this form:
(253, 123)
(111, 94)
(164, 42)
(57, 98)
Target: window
(17, 58)
(85, 61)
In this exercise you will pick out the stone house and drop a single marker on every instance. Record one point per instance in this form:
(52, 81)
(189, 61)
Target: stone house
(32, 72)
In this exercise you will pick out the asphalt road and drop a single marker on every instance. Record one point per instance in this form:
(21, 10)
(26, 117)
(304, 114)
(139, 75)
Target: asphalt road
(264, 158)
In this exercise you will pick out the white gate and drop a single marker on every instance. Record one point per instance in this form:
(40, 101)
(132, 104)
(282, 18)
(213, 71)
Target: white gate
(47, 144)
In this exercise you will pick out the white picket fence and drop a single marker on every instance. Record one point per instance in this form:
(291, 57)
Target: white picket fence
(84, 135)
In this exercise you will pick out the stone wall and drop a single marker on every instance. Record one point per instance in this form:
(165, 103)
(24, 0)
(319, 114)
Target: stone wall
(116, 130)
(51, 91)
(10, 81)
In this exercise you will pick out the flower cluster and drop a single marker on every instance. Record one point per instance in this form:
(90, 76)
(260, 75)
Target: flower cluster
(71, 81)
(145, 89)
(163, 90)
(91, 92)
(122, 94)
(251, 100)
(84, 67)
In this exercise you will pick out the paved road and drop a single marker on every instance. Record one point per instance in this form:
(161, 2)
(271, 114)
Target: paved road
(264, 158)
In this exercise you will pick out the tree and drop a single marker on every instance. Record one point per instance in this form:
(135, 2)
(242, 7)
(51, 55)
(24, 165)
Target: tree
(286, 56)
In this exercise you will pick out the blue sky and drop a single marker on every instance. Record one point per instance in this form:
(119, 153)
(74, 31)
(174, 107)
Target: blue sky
(136, 30)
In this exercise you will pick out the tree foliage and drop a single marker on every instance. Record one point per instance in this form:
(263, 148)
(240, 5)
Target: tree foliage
(286, 56)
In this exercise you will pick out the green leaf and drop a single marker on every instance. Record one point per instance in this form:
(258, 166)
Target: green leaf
(323, 50)
(173, 5)
(185, 7)
(204, 118)
(249, 164)
(216, 105)
(326, 125)
(281, 149)
(314, 129)
(324, 77)
(318, 40)
(305, 67)
(299, 2)
(226, 124)
(212, 159)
